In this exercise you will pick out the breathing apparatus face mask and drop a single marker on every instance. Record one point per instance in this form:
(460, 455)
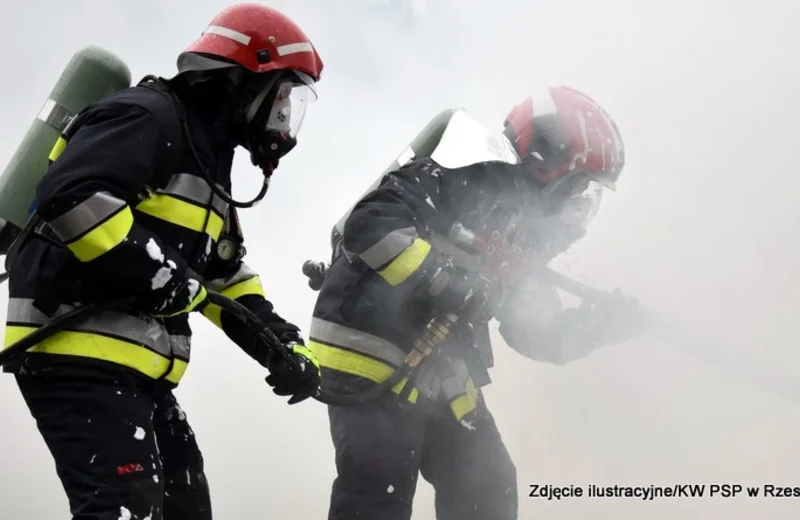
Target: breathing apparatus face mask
(272, 116)
(572, 206)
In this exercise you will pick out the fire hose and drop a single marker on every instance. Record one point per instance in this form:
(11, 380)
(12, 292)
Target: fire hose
(748, 367)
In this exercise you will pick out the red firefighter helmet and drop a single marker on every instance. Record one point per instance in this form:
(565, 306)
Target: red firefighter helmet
(256, 37)
(565, 133)
(284, 65)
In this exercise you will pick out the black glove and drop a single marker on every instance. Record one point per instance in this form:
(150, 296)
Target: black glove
(299, 377)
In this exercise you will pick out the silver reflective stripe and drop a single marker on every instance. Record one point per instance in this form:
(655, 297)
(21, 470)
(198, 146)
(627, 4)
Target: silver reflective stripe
(195, 189)
(87, 215)
(456, 385)
(389, 247)
(220, 284)
(143, 331)
(355, 340)
(428, 383)
(56, 115)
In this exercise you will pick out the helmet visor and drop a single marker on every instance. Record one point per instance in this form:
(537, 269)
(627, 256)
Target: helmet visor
(288, 109)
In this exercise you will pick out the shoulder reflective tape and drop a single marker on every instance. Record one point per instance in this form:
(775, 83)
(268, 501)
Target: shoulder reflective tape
(362, 342)
(294, 48)
(55, 114)
(406, 263)
(228, 33)
(388, 247)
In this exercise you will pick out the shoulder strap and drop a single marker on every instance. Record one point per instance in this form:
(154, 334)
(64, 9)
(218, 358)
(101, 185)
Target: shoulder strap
(169, 163)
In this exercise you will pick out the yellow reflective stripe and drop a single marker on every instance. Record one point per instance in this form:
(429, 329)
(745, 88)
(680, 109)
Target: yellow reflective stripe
(244, 288)
(96, 346)
(355, 364)
(465, 403)
(178, 369)
(406, 262)
(58, 149)
(308, 354)
(213, 312)
(104, 237)
(182, 213)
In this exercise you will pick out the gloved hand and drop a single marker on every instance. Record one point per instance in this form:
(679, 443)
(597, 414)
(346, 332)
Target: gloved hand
(615, 319)
(301, 379)
(315, 271)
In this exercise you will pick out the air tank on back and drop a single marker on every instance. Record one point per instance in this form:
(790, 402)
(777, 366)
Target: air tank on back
(90, 75)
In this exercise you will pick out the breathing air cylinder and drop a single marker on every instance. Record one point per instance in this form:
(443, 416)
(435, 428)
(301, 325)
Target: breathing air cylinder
(423, 145)
(90, 75)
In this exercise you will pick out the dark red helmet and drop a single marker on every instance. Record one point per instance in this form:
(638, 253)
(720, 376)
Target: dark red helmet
(565, 133)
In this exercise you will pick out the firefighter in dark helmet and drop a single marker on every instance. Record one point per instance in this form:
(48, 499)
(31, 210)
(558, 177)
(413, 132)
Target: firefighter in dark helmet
(407, 257)
(136, 202)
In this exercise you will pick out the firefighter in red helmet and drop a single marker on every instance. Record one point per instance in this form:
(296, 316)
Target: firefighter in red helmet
(396, 308)
(136, 203)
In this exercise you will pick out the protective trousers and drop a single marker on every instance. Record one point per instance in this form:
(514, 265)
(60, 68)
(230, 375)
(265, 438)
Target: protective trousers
(381, 448)
(120, 451)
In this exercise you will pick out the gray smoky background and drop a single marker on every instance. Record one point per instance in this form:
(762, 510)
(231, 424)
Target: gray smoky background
(704, 228)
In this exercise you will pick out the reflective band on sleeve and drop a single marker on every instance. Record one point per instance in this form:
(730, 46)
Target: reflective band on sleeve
(243, 273)
(406, 262)
(248, 286)
(213, 313)
(103, 238)
(388, 247)
(245, 287)
(86, 216)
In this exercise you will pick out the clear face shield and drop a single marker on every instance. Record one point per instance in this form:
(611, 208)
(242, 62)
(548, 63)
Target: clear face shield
(554, 233)
(272, 129)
